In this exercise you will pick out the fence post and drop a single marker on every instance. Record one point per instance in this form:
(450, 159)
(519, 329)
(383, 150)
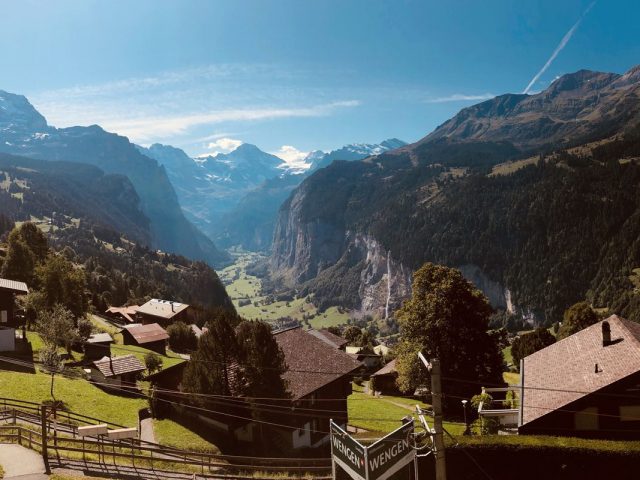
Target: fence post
(45, 456)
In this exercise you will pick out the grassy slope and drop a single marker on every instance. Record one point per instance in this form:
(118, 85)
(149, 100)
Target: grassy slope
(175, 435)
(77, 394)
(383, 415)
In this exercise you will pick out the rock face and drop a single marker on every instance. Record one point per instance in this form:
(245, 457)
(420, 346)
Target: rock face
(334, 233)
(23, 131)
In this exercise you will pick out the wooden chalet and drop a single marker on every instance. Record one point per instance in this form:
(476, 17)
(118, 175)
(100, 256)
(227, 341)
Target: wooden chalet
(9, 289)
(163, 312)
(585, 385)
(116, 372)
(152, 337)
(97, 346)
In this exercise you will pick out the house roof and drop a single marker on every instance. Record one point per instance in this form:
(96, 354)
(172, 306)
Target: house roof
(100, 338)
(13, 285)
(147, 333)
(126, 312)
(312, 361)
(565, 371)
(118, 365)
(334, 340)
(165, 309)
(389, 368)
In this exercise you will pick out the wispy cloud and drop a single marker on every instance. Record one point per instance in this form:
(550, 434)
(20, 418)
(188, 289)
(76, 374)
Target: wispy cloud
(146, 128)
(460, 97)
(559, 48)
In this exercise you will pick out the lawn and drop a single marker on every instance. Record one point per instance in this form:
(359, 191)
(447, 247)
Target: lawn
(511, 378)
(77, 394)
(175, 435)
(381, 415)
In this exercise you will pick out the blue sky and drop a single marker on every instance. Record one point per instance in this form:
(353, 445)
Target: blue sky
(206, 75)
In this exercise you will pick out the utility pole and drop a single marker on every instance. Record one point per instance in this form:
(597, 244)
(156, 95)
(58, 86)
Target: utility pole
(433, 367)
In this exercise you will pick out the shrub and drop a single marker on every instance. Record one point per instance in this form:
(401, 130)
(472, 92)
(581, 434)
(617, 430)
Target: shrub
(182, 338)
(153, 362)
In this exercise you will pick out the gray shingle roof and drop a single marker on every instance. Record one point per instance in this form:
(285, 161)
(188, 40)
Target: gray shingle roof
(162, 308)
(565, 371)
(313, 362)
(119, 365)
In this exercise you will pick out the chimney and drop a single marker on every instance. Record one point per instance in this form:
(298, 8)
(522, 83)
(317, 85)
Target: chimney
(172, 307)
(606, 334)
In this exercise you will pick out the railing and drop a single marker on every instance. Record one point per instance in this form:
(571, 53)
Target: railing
(507, 411)
(62, 438)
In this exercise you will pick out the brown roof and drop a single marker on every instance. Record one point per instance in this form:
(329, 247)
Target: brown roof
(312, 362)
(387, 369)
(565, 371)
(119, 365)
(147, 333)
(13, 285)
(162, 308)
(333, 340)
(126, 312)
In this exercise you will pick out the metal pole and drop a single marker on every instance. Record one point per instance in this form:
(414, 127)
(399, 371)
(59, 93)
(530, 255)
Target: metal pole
(436, 396)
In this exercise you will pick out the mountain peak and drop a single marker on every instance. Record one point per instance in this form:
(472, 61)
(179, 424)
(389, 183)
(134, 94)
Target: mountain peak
(584, 80)
(16, 113)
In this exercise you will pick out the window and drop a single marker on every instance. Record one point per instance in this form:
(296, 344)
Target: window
(3, 316)
(587, 419)
(630, 413)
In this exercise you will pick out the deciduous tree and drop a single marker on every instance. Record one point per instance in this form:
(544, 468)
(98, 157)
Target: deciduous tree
(447, 318)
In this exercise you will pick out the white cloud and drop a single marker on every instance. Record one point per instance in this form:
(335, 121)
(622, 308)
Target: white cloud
(223, 145)
(150, 128)
(461, 97)
(559, 48)
(293, 157)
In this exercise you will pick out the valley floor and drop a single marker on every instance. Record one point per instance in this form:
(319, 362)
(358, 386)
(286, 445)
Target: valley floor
(245, 291)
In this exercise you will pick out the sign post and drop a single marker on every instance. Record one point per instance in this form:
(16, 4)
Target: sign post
(379, 461)
(348, 454)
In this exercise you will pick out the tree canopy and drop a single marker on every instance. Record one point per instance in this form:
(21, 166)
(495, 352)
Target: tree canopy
(447, 318)
(529, 343)
(576, 318)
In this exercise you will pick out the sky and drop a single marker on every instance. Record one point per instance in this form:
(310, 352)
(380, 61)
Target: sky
(291, 76)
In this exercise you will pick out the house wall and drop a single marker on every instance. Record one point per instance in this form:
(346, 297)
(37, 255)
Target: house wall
(7, 339)
(613, 412)
(99, 378)
(146, 319)
(7, 309)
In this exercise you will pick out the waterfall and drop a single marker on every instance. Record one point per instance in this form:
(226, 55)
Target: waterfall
(386, 308)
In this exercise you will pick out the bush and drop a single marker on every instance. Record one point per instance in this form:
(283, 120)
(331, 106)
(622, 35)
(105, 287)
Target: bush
(153, 362)
(182, 338)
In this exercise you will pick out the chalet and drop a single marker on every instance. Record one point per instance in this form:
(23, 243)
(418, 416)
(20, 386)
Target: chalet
(164, 312)
(122, 315)
(369, 358)
(116, 372)
(97, 346)
(384, 380)
(318, 378)
(9, 289)
(152, 337)
(584, 385)
(318, 381)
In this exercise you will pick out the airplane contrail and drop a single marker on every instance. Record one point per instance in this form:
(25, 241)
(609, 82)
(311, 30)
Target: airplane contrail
(561, 45)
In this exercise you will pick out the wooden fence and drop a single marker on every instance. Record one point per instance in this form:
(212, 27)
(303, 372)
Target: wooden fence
(58, 439)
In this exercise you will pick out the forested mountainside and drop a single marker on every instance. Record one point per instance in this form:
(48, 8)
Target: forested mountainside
(518, 232)
(103, 229)
(25, 132)
(251, 222)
